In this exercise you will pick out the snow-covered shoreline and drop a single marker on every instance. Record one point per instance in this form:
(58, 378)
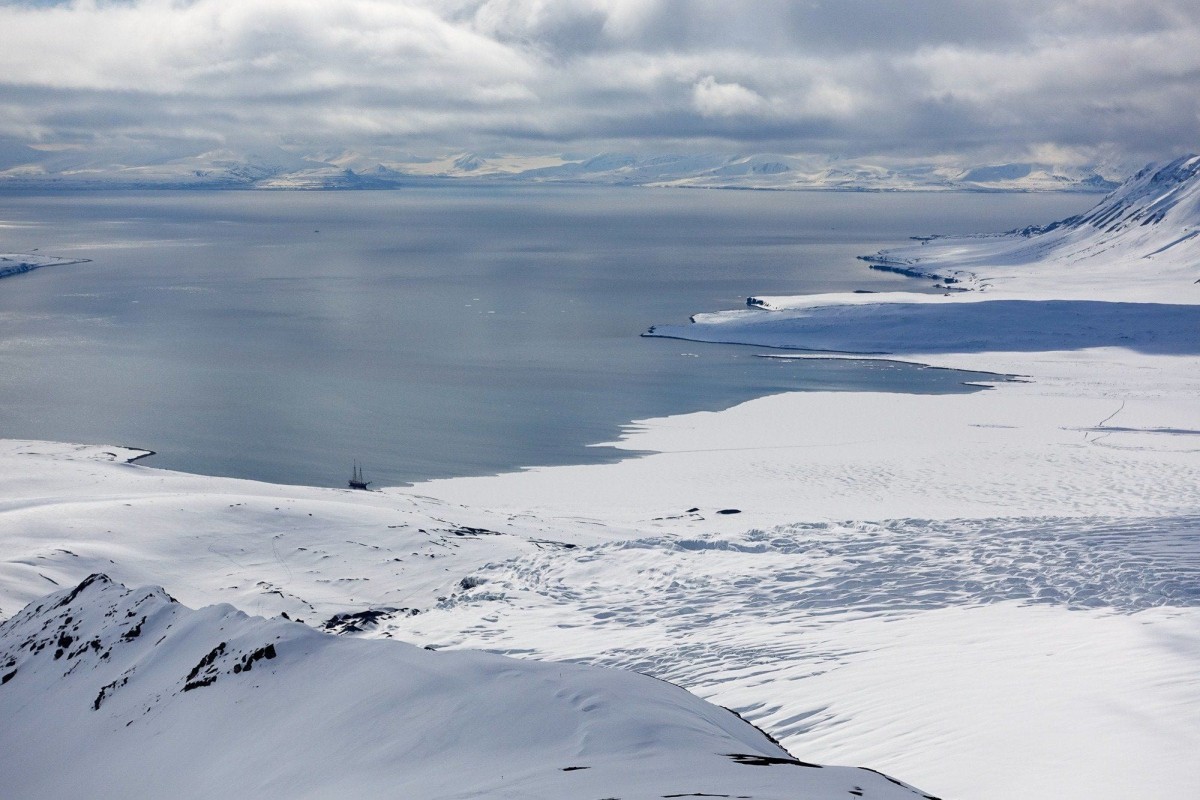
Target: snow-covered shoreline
(942, 587)
(20, 263)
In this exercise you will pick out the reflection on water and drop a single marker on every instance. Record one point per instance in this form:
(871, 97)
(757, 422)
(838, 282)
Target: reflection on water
(425, 332)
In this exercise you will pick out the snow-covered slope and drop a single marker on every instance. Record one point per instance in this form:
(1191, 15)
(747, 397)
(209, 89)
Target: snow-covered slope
(110, 692)
(1124, 274)
(1141, 241)
(1067, 596)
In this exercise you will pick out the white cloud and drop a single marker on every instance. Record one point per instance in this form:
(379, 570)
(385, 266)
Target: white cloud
(930, 76)
(714, 99)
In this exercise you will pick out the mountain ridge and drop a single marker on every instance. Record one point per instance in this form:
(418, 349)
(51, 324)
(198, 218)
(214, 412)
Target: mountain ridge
(144, 693)
(1145, 232)
(275, 168)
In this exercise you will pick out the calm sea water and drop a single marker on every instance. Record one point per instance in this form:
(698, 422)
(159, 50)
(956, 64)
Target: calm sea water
(428, 332)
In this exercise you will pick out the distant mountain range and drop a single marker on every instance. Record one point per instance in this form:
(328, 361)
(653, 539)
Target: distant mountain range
(275, 168)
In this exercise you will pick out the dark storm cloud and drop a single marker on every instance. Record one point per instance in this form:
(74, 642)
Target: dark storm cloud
(922, 77)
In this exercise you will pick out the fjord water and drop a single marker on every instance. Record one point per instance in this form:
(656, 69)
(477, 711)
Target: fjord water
(426, 332)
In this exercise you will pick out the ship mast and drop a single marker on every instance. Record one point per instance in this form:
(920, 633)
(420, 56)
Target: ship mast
(356, 478)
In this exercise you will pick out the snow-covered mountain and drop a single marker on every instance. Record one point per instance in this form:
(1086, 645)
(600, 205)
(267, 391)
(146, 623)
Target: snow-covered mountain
(111, 692)
(220, 168)
(791, 172)
(275, 168)
(1141, 241)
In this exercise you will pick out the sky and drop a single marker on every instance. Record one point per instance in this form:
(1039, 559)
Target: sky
(1068, 81)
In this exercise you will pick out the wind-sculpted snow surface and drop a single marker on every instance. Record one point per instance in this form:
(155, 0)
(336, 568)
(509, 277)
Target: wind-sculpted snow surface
(952, 635)
(1122, 564)
(116, 693)
(692, 598)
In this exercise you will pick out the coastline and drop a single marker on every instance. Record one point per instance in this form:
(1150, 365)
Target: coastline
(29, 262)
(1099, 434)
(917, 582)
(607, 564)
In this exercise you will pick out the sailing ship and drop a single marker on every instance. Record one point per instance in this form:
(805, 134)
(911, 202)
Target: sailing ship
(356, 478)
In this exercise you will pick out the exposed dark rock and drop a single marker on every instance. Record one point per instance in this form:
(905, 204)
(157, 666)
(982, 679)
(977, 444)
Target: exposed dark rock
(104, 690)
(88, 581)
(247, 662)
(209, 681)
(749, 759)
(466, 530)
(358, 621)
(205, 664)
(898, 783)
(133, 632)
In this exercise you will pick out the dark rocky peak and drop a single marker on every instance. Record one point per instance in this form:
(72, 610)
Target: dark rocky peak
(90, 641)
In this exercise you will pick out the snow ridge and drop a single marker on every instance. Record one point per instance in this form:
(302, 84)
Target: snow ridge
(1147, 198)
(141, 693)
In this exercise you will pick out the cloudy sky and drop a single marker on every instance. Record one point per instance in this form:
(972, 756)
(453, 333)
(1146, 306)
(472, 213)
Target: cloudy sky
(981, 80)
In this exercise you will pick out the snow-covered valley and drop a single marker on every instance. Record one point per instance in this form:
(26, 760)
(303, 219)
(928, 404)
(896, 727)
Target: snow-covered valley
(987, 595)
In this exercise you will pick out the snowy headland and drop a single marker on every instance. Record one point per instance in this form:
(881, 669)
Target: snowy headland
(19, 263)
(987, 595)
